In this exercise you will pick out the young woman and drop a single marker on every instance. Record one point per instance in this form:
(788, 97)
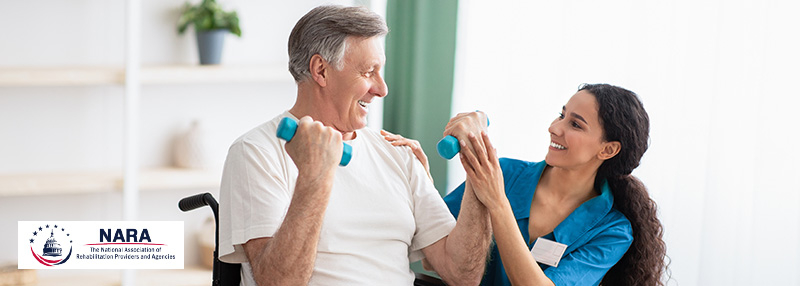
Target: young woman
(582, 196)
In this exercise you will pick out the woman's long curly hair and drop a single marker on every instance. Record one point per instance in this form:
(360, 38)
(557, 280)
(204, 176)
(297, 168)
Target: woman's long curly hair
(624, 119)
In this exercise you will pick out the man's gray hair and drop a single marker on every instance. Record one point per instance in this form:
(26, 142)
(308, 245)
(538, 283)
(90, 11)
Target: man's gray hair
(323, 31)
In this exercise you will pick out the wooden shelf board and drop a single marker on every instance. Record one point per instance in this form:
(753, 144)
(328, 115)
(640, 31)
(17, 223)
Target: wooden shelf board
(104, 181)
(62, 76)
(150, 75)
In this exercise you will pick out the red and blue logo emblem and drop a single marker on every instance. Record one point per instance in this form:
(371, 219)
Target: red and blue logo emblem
(48, 244)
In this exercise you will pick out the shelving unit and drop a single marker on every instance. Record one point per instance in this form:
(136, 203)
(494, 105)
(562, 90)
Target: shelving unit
(128, 179)
(31, 184)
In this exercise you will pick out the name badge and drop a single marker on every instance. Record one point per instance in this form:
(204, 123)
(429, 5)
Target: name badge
(548, 252)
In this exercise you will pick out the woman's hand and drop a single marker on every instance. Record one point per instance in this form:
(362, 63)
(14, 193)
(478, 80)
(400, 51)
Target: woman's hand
(483, 171)
(397, 140)
(465, 123)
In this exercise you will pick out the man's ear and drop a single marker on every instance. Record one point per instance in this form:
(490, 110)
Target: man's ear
(319, 70)
(610, 149)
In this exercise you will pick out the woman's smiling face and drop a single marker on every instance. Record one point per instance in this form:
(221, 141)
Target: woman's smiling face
(576, 136)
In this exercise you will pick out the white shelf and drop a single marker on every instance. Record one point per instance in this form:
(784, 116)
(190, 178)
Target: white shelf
(150, 75)
(105, 181)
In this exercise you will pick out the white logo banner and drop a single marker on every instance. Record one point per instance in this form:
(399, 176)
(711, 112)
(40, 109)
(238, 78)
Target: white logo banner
(100, 244)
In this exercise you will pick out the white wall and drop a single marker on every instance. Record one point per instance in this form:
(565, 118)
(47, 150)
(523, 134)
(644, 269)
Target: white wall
(718, 81)
(80, 128)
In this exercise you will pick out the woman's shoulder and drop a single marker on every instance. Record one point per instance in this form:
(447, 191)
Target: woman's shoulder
(615, 225)
(616, 219)
(518, 165)
(515, 168)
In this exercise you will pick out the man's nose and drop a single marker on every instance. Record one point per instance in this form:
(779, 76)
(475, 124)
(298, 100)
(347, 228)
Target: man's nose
(379, 87)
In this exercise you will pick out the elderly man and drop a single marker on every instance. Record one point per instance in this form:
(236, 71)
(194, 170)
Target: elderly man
(292, 216)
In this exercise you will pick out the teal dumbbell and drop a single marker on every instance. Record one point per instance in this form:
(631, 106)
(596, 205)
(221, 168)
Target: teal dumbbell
(287, 127)
(448, 147)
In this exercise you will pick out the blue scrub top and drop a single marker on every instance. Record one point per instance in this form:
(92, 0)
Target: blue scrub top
(596, 234)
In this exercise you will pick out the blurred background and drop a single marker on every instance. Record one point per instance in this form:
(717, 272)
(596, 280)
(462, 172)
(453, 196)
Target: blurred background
(715, 76)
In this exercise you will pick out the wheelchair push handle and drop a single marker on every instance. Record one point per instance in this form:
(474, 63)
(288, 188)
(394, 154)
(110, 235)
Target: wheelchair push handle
(189, 203)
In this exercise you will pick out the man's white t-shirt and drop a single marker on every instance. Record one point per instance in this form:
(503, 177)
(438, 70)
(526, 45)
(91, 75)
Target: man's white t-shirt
(382, 212)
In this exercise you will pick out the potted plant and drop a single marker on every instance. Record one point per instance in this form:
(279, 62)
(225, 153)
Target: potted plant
(211, 24)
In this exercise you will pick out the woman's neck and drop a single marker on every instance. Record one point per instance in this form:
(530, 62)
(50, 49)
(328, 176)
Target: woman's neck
(568, 185)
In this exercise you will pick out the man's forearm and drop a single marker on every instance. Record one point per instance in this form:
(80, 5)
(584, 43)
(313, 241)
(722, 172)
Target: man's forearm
(288, 257)
(468, 243)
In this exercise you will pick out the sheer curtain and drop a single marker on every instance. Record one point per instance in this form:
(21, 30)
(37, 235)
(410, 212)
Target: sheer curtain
(719, 81)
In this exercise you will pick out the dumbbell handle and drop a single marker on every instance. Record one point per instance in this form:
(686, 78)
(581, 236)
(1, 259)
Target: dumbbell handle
(287, 127)
(448, 147)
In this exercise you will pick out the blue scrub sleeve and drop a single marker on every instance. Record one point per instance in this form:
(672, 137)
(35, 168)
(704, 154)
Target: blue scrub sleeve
(588, 264)
(453, 200)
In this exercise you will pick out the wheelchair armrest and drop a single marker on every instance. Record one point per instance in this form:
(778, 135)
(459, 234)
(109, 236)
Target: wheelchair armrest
(425, 280)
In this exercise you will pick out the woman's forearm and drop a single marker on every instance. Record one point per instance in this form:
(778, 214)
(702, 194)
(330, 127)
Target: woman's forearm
(518, 262)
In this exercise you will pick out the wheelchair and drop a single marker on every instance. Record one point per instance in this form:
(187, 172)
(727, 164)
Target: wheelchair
(229, 274)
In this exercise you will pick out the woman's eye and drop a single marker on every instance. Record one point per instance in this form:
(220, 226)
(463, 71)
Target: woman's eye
(576, 125)
(561, 115)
